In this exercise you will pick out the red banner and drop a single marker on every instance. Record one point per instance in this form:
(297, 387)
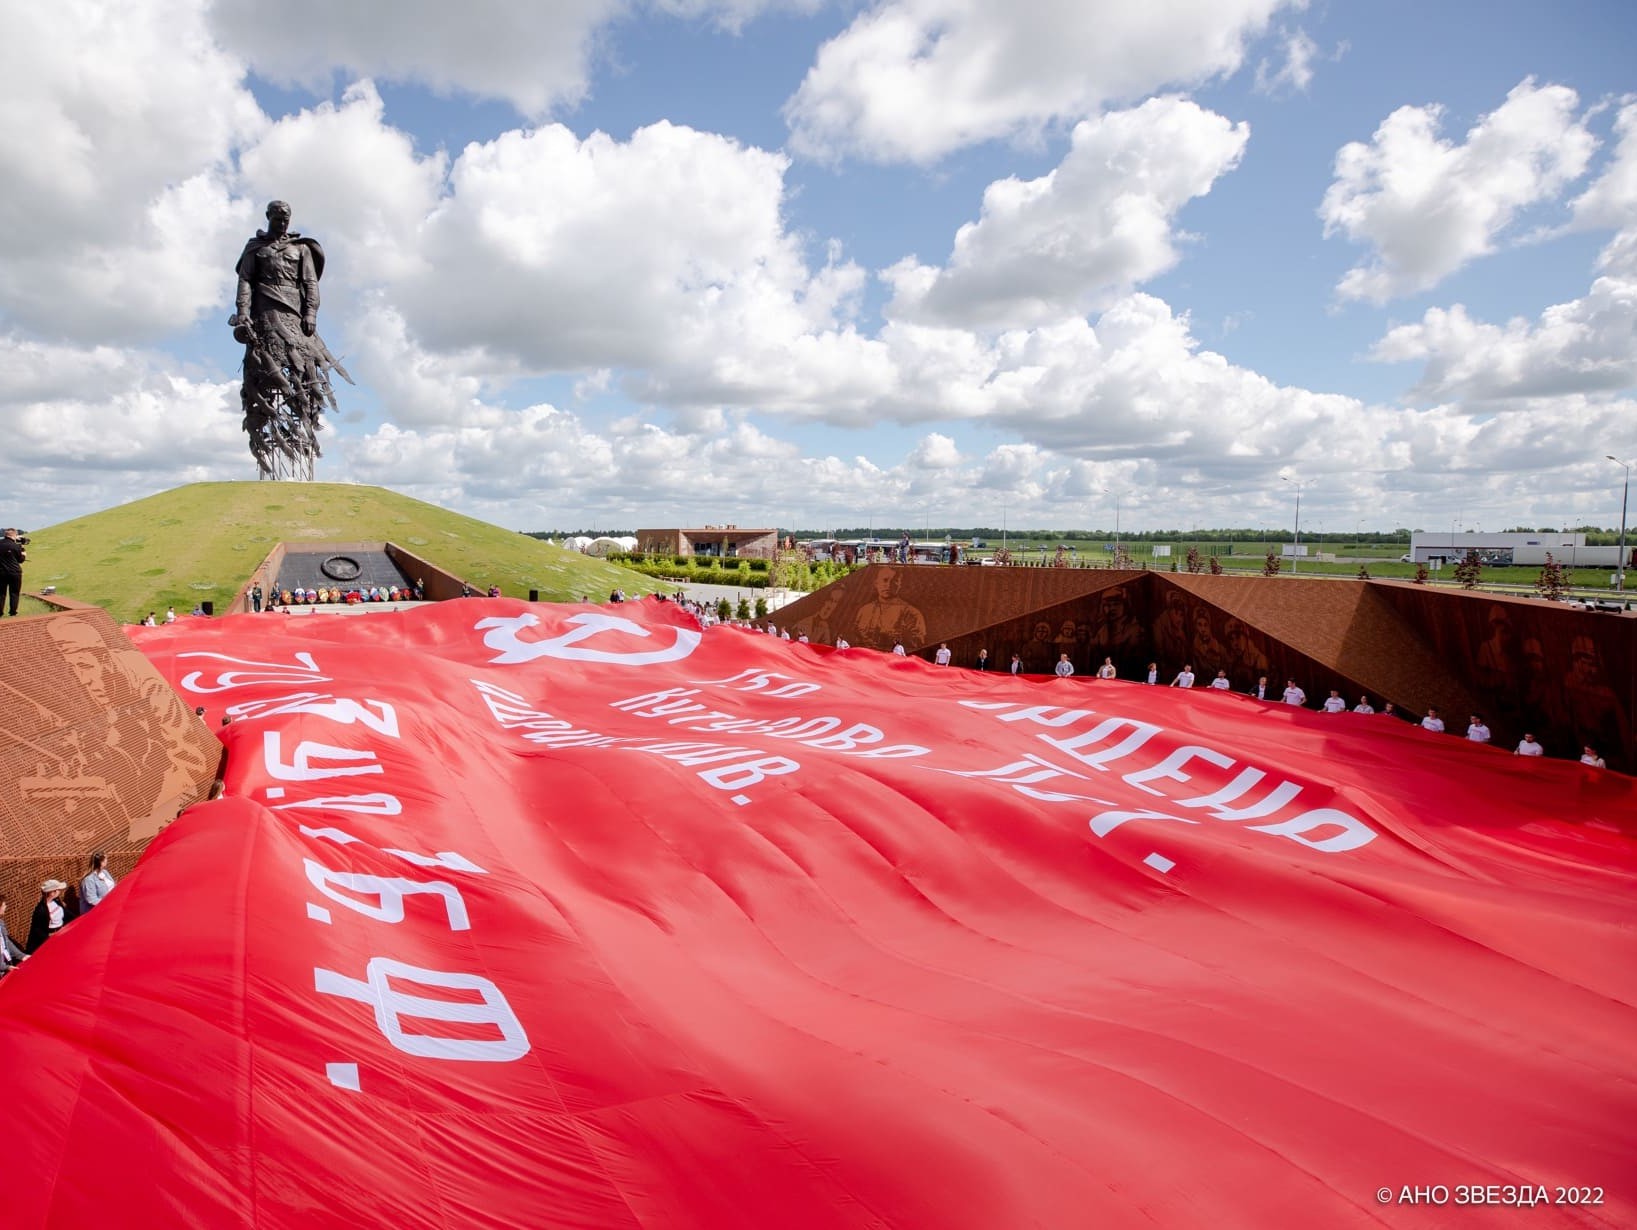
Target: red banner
(529, 916)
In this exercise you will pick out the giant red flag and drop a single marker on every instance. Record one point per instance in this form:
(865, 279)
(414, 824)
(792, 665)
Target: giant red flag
(532, 916)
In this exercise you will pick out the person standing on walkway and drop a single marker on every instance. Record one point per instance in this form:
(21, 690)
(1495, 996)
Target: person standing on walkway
(12, 556)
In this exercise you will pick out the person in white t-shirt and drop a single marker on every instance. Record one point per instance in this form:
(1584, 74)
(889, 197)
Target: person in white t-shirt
(1185, 676)
(1334, 703)
(843, 643)
(1588, 755)
(170, 614)
(1153, 674)
(1064, 667)
(1106, 670)
(1364, 705)
(1476, 730)
(1293, 694)
(1220, 683)
(1432, 721)
(943, 655)
(1528, 747)
(899, 650)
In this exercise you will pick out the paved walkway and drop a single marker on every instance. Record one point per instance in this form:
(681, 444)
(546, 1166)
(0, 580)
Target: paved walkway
(714, 593)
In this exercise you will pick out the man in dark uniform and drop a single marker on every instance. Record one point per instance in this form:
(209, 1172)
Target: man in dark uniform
(278, 277)
(12, 556)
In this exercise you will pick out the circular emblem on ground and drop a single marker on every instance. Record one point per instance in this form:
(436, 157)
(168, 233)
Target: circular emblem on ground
(341, 568)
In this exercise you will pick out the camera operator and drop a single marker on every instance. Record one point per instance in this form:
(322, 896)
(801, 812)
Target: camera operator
(12, 556)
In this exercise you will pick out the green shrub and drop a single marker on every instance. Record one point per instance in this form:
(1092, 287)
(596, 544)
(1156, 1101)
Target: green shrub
(758, 565)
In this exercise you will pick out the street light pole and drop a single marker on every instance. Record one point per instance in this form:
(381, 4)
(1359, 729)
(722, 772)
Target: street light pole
(1116, 495)
(1295, 550)
(1625, 494)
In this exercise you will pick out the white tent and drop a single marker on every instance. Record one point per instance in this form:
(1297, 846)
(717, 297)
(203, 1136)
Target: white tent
(602, 546)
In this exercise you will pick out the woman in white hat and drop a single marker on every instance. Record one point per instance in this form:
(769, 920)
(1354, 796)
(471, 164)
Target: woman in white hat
(49, 915)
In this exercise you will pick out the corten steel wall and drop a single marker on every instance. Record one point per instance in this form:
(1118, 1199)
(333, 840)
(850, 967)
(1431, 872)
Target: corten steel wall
(1323, 633)
(265, 574)
(923, 604)
(437, 583)
(1564, 674)
(96, 753)
(1567, 675)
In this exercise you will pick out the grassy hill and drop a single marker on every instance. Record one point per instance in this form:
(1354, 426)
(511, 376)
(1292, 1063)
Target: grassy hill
(199, 542)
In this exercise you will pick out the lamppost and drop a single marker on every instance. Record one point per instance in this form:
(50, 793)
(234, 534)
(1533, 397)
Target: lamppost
(1116, 495)
(1620, 582)
(1295, 550)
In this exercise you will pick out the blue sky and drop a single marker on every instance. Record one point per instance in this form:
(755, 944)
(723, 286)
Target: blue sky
(642, 262)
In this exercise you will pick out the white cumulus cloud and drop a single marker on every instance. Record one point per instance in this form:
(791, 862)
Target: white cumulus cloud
(535, 56)
(116, 221)
(1584, 346)
(1426, 206)
(912, 80)
(664, 251)
(1100, 222)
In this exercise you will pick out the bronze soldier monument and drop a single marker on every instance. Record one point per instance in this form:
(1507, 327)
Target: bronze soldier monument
(286, 364)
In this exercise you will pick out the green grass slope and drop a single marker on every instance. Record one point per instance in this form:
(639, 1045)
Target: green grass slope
(199, 542)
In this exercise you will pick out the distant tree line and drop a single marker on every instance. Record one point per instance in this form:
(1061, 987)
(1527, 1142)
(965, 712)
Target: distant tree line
(1595, 535)
(1395, 537)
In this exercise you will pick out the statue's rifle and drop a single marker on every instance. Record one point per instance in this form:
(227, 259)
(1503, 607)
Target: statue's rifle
(331, 360)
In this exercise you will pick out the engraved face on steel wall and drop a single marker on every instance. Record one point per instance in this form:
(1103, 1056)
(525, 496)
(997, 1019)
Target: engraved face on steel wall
(101, 751)
(1567, 676)
(886, 619)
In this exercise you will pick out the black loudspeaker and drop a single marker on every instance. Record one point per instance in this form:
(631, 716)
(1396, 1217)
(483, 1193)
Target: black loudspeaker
(208, 607)
(534, 595)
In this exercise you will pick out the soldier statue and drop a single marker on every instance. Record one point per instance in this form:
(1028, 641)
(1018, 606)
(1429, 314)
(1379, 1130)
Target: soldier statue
(286, 364)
